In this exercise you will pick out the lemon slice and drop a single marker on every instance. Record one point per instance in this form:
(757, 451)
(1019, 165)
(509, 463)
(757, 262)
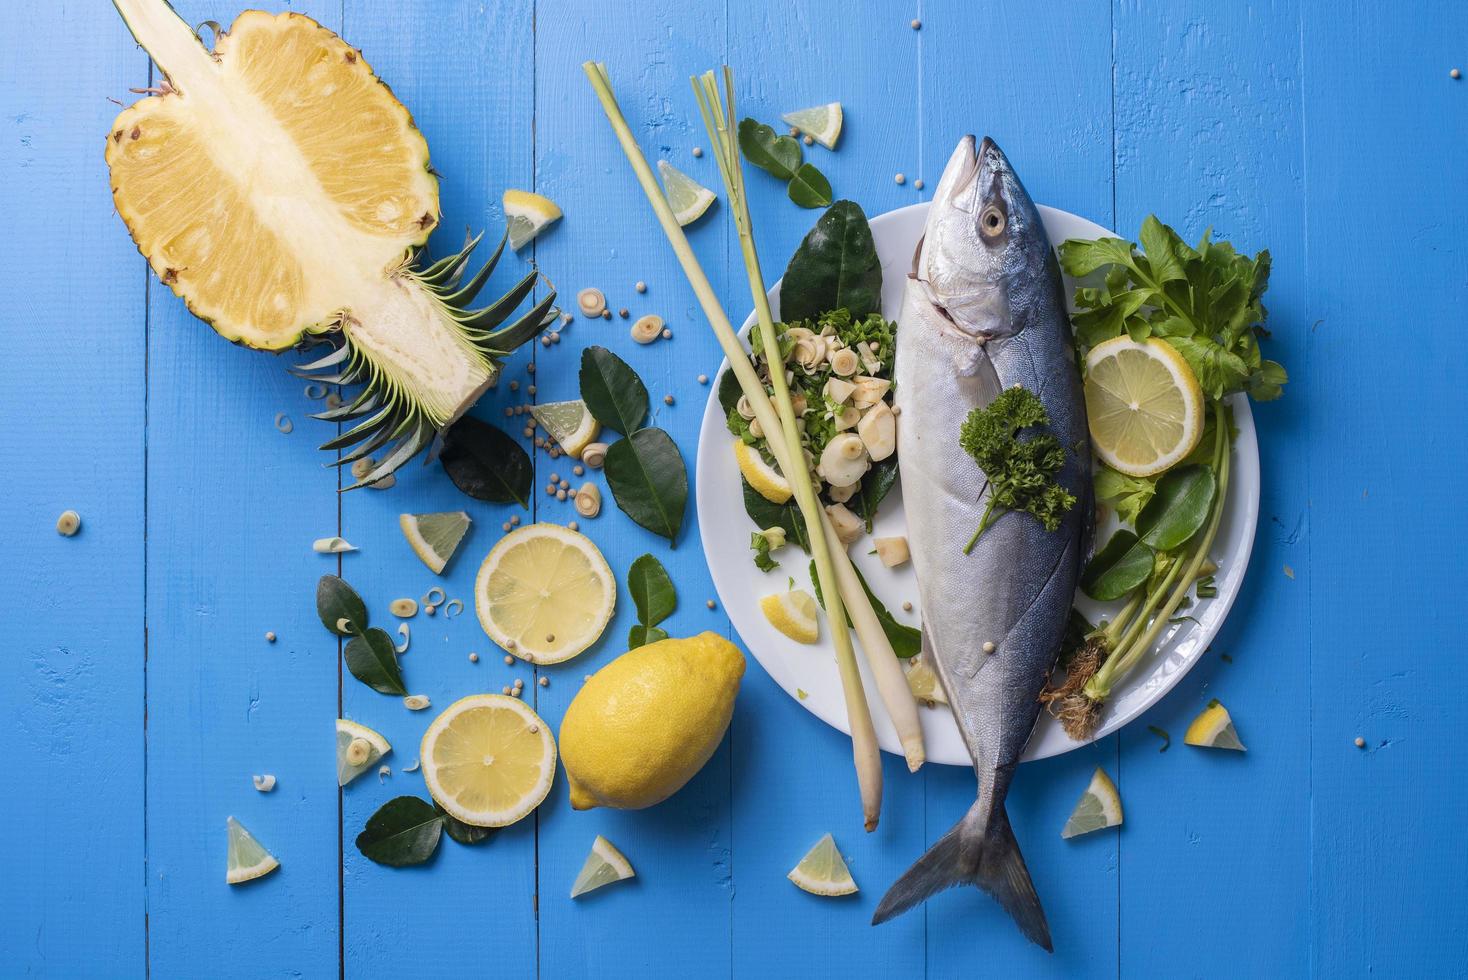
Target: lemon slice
(821, 123)
(922, 681)
(357, 749)
(247, 859)
(526, 215)
(1214, 729)
(1098, 808)
(488, 760)
(765, 479)
(792, 613)
(822, 871)
(545, 593)
(687, 197)
(434, 537)
(604, 865)
(1143, 403)
(569, 424)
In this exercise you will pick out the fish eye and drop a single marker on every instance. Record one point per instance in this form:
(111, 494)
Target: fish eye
(991, 222)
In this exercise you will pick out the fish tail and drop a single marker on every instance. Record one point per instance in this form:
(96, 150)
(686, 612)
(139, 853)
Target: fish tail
(980, 852)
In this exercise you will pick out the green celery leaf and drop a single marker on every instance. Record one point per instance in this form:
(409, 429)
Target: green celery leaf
(651, 589)
(1267, 383)
(1126, 494)
(486, 463)
(337, 601)
(1164, 250)
(404, 831)
(612, 391)
(1081, 257)
(1219, 371)
(373, 660)
(835, 267)
(647, 478)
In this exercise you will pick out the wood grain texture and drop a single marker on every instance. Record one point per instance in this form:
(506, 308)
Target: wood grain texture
(142, 695)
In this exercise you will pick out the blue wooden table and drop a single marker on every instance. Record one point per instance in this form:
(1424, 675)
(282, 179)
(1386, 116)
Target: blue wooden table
(140, 693)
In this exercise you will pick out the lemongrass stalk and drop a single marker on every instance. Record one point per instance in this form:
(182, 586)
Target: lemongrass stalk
(866, 754)
(886, 671)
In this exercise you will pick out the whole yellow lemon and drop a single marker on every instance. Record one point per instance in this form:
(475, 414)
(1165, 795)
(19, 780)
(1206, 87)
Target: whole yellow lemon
(647, 721)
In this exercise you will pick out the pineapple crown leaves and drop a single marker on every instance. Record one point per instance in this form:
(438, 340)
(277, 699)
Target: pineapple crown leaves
(393, 422)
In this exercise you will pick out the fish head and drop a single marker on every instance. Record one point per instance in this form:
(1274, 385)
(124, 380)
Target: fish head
(983, 240)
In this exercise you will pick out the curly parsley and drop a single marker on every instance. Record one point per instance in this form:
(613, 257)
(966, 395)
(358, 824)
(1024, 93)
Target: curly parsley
(1020, 471)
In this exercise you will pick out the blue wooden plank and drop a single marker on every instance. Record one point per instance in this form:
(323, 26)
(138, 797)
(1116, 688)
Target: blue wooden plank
(465, 72)
(1384, 133)
(233, 506)
(793, 775)
(1038, 80)
(682, 848)
(72, 338)
(1208, 131)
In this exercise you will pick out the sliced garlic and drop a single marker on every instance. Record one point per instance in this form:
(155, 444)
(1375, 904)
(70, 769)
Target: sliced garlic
(844, 461)
(837, 390)
(405, 608)
(332, 546)
(264, 783)
(647, 328)
(588, 500)
(414, 767)
(383, 773)
(878, 432)
(415, 702)
(591, 302)
(892, 551)
(359, 750)
(848, 526)
(594, 455)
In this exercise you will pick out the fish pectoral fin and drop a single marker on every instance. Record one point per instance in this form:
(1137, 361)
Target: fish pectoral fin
(978, 852)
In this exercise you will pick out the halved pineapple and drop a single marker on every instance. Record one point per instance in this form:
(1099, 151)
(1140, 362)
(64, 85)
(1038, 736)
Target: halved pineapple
(282, 192)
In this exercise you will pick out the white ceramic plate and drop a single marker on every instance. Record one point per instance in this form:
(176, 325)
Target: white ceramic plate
(808, 673)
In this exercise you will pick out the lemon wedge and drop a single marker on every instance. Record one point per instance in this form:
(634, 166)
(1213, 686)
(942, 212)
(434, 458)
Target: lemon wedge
(569, 424)
(687, 197)
(821, 123)
(488, 760)
(1143, 403)
(822, 871)
(792, 613)
(604, 865)
(1214, 729)
(545, 593)
(247, 860)
(765, 479)
(527, 214)
(357, 749)
(434, 537)
(1098, 808)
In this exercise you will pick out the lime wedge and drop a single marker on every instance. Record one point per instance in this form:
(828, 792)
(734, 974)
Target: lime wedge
(569, 424)
(527, 214)
(357, 749)
(247, 859)
(1099, 807)
(821, 123)
(1214, 729)
(687, 197)
(822, 871)
(604, 865)
(434, 537)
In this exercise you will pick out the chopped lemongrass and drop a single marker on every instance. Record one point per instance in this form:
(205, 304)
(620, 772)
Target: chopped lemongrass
(383, 772)
(264, 783)
(406, 608)
(357, 749)
(315, 392)
(1098, 808)
(452, 608)
(428, 597)
(591, 302)
(363, 466)
(283, 422)
(246, 860)
(404, 636)
(332, 546)
(416, 764)
(647, 328)
(687, 197)
(68, 523)
(823, 871)
(604, 865)
(416, 702)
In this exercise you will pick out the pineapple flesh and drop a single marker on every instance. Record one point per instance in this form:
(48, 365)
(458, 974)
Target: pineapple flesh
(283, 192)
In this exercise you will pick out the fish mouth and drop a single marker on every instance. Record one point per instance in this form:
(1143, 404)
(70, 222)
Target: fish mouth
(959, 174)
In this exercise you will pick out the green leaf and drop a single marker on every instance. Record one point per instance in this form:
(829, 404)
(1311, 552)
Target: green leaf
(486, 463)
(762, 559)
(1218, 371)
(729, 389)
(1179, 508)
(785, 516)
(1267, 383)
(1081, 257)
(779, 155)
(337, 601)
(907, 641)
(1123, 565)
(373, 660)
(873, 490)
(836, 267)
(1162, 245)
(612, 391)
(404, 831)
(1127, 494)
(809, 188)
(641, 636)
(464, 833)
(648, 481)
(652, 591)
